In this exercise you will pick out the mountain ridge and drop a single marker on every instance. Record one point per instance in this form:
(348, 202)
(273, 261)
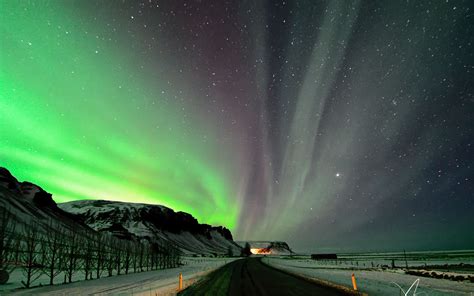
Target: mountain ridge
(144, 221)
(30, 203)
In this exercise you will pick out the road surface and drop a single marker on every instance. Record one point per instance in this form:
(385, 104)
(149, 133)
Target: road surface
(251, 277)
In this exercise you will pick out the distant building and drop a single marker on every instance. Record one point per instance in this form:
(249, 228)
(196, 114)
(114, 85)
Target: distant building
(323, 256)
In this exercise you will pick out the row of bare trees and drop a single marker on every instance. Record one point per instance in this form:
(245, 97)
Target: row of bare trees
(69, 252)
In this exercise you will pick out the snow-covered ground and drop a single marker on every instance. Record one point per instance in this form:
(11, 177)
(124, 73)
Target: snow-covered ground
(161, 282)
(374, 281)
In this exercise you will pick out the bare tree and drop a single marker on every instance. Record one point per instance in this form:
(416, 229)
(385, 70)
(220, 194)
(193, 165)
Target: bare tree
(109, 255)
(127, 258)
(7, 235)
(100, 253)
(158, 253)
(142, 255)
(165, 255)
(153, 257)
(135, 255)
(53, 245)
(71, 254)
(118, 255)
(15, 248)
(147, 251)
(176, 256)
(31, 250)
(87, 256)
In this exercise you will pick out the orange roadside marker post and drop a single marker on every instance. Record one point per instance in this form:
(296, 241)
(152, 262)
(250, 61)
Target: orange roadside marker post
(354, 284)
(180, 285)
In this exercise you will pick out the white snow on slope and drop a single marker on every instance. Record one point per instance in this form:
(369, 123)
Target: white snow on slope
(100, 215)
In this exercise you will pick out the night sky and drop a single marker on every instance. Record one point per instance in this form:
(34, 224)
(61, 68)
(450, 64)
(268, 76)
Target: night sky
(331, 125)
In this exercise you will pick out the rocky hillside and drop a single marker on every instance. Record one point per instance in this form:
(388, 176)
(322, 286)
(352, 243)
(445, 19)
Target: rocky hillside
(31, 204)
(146, 221)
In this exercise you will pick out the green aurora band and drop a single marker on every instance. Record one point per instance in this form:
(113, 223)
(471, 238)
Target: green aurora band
(76, 122)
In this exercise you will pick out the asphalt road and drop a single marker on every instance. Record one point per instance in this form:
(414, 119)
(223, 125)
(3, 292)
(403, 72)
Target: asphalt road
(251, 277)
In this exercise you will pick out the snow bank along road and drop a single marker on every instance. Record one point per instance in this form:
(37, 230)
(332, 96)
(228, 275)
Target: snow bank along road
(251, 277)
(159, 282)
(372, 281)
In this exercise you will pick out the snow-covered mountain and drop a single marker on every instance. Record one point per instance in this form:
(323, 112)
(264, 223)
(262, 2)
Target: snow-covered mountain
(146, 221)
(29, 203)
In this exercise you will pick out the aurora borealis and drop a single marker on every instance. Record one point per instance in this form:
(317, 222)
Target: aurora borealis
(328, 124)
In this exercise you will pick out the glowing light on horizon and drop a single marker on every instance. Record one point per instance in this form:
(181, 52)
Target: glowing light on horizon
(260, 251)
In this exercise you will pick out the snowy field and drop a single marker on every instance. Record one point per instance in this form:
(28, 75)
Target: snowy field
(375, 275)
(160, 282)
